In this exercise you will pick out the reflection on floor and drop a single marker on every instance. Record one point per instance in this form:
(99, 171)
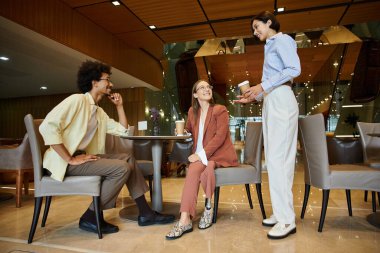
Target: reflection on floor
(238, 228)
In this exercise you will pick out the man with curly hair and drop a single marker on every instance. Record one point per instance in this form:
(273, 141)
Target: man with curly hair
(76, 132)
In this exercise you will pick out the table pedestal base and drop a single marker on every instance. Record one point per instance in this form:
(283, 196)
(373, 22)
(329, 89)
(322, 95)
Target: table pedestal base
(374, 219)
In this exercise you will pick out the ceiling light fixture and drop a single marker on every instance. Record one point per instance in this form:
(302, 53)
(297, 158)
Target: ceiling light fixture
(116, 3)
(281, 9)
(4, 58)
(43, 88)
(152, 27)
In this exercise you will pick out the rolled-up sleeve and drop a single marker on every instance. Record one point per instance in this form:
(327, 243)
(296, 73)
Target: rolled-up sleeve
(115, 128)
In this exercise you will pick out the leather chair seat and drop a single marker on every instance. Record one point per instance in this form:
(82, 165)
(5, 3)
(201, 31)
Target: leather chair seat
(236, 175)
(72, 185)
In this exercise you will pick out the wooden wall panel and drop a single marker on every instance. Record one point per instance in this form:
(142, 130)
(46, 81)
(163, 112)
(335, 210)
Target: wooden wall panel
(144, 39)
(56, 20)
(13, 111)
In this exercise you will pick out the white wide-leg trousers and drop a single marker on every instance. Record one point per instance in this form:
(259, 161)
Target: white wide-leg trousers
(280, 127)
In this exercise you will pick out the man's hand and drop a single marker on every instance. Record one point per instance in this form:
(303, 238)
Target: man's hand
(80, 159)
(116, 99)
(193, 158)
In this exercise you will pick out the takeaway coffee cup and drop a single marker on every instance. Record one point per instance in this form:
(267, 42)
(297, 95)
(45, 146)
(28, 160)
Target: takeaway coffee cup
(243, 86)
(180, 127)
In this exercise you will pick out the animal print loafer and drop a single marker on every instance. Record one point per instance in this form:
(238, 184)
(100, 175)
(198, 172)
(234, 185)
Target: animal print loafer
(206, 219)
(178, 230)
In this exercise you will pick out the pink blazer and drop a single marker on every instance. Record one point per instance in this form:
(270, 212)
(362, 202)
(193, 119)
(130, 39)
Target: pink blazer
(216, 138)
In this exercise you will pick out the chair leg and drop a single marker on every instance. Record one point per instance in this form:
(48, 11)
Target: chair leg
(365, 196)
(19, 180)
(260, 197)
(216, 203)
(249, 195)
(36, 214)
(373, 202)
(348, 197)
(46, 210)
(305, 200)
(97, 215)
(150, 179)
(325, 201)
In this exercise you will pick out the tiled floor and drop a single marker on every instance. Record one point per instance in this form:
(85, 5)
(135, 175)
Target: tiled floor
(238, 228)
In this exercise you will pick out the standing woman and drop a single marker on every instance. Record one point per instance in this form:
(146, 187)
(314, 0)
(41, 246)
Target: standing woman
(213, 148)
(280, 119)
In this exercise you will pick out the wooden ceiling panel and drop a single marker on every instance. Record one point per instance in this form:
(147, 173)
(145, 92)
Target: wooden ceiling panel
(297, 5)
(312, 59)
(362, 12)
(166, 13)
(350, 59)
(233, 28)
(186, 33)
(310, 20)
(115, 19)
(77, 3)
(222, 9)
(145, 39)
(235, 68)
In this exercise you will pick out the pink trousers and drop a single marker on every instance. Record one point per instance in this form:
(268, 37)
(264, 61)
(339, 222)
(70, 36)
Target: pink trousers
(197, 174)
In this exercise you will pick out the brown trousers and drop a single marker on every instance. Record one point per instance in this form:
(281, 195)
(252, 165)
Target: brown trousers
(115, 170)
(197, 174)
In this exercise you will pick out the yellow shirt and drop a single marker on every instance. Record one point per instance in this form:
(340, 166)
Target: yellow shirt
(67, 124)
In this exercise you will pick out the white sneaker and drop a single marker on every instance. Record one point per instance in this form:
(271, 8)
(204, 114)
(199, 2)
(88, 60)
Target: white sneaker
(281, 230)
(270, 222)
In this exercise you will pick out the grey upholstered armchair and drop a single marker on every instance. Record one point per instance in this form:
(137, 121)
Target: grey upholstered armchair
(320, 174)
(247, 173)
(47, 187)
(18, 160)
(371, 151)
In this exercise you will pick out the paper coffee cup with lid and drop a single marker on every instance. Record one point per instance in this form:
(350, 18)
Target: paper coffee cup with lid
(243, 86)
(180, 127)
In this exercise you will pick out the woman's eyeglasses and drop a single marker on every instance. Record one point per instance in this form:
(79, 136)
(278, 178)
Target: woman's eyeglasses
(203, 88)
